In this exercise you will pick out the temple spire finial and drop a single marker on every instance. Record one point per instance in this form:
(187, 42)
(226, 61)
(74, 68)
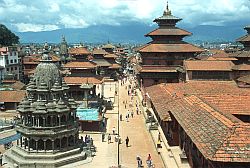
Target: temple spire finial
(167, 10)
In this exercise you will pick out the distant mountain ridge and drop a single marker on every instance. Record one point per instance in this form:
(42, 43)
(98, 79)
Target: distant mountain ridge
(129, 33)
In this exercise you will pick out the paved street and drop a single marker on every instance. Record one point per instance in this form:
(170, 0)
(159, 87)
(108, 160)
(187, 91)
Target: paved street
(140, 141)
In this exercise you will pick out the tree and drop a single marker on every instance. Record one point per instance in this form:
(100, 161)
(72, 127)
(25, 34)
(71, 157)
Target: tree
(7, 38)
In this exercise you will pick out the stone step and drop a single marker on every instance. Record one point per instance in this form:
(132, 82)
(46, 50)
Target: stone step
(29, 160)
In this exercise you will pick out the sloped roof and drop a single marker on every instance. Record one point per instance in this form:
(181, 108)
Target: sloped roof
(208, 65)
(217, 134)
(111, 56)
(98, 51)
(115, 66)
(169, 32)
(101, 62)
(79, 51)
(244, 38)
(108, 46)
(18, 85)
(241, 67)
(13, 96)
(240, 54)
(245, 79)
(179, 48)
(77, 65)
(157, 68)
(82, 80)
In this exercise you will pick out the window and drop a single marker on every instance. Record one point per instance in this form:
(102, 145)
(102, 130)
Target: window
(8, 69)
(15, 68)
(11, 61)
(15, 60)
(11, 69)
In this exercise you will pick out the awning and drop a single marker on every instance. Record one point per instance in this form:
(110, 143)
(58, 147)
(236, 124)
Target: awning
(10, 139)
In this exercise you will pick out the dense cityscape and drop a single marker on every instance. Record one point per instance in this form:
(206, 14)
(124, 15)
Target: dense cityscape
(168, 103)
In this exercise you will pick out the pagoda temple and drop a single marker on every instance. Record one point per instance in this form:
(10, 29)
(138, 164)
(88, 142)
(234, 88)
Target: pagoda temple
(48, 125)
(162, 58)
(63, 49)
(243, 55)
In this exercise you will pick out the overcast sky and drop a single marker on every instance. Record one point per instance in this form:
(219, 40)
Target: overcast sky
(41, 15)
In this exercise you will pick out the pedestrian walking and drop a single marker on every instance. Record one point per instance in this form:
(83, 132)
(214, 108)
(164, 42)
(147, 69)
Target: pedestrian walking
(159, 137)
(132, 114)
(120, 117)
(127, 141)
(103, 137)
(128, 114)
(139, 161)
(125, 106)
(137, 111)
(1, 158)
(149, 161)
(109, 138)
(126, 118)
(113, 130)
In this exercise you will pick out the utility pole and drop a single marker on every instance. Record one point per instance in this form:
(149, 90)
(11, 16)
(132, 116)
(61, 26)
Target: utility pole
(118, 143)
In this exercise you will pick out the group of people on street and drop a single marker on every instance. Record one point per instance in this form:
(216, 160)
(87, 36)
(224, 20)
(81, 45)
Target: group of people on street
(149, 161)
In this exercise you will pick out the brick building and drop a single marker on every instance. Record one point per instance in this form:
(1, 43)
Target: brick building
(208, 120)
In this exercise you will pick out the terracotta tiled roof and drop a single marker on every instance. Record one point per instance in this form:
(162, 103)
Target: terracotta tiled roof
(115, 66)
(245, 79)
(226, 59)
(244, 38)
(229, 103)
(97, 51)
(12, 96)
(160, 98)
(79, 51)
(219, 53)
(169, 32)
(205, 88)
(35, 59)
(241, 67)
(108, 46)
(240, 54)
(18, 85)
(80, 65)
(217, 136)
(157, 68)
(209, 65)
(170, 48)
(81, 80)
(111, 56)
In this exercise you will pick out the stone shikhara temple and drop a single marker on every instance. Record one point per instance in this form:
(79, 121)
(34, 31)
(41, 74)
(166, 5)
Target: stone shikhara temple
(48, 123)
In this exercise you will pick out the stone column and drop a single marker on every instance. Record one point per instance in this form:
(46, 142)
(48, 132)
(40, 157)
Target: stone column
(21, 141)
(38, 121)
(51, 120)
(44, 122)
(28, 145)
(67, 142)
(59, 119)
(60, 143)
(53, 145)
(33, 120)
(44, 145)
(36, 146)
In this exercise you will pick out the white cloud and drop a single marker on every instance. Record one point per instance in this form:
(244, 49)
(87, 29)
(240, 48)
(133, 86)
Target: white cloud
(47, 14)
(25, 27)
